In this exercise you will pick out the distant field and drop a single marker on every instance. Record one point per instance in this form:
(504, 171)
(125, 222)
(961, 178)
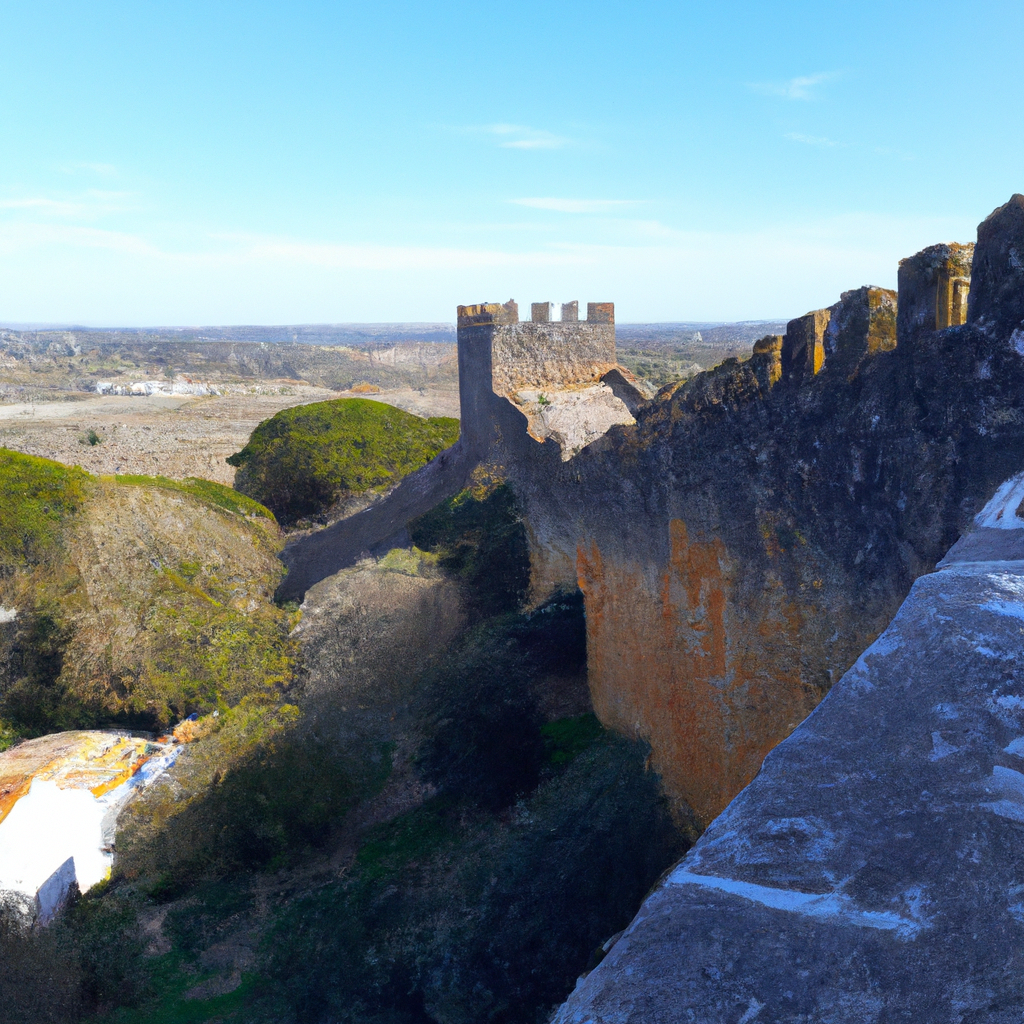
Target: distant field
(662, 353)
(49, 405)
(34, 364)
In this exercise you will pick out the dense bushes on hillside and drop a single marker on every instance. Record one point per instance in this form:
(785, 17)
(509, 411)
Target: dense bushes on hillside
(463, 917)
(478, 537)
(305, 460)
(90, 959)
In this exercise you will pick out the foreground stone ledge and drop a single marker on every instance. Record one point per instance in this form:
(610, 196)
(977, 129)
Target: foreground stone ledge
(874, 869)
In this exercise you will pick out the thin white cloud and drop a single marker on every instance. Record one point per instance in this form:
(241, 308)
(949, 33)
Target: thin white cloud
(99, 169)
(800, 88)
(239, 250)
(43, 204)
(538, 141)
(256, 248)
(575, 205)
(813, 140)
(20, 236)
(88, 204)
(517, 136)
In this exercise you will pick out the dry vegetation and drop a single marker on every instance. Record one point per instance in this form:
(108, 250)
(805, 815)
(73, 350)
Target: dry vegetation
(49, 406)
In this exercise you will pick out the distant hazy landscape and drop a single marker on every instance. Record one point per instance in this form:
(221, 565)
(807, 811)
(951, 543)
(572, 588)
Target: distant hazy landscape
(215, 384)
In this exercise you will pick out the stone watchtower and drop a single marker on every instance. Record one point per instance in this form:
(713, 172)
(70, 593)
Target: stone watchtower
(562, 375)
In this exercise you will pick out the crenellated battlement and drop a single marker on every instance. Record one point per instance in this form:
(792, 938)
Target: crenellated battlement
(531, 363)
(934, 287)
(540, 313)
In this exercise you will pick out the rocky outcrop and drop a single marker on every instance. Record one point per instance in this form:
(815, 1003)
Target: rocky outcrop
(872, 870)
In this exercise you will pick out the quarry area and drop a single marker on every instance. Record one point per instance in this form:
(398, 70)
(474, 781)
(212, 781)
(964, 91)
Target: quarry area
(616, 699)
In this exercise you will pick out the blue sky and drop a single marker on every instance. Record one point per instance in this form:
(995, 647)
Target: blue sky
(189, 163)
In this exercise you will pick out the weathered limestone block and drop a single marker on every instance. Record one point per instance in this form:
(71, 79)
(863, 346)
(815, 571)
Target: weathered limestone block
(570, 312)
(600, 312)
(541, 312)
(873, 870)
(574, 417)
(767, 358)
(488, 313)
(550, 355)
(862, 323)
(803, 346)
(933, 289)
(997, 297)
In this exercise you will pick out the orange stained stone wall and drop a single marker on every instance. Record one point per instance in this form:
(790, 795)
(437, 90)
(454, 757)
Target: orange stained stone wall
(712, 681)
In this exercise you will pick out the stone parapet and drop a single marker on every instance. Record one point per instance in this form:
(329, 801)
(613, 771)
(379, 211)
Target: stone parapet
(933, 290)
(862, 323)
(488, 313)
(767, 358)
(803, 346)
(997, 299)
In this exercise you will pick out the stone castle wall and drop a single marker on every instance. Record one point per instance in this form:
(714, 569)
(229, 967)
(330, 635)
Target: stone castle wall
(755, 530)
(756, 527)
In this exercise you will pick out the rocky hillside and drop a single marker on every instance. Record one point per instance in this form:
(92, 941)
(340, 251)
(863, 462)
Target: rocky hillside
(35, 365)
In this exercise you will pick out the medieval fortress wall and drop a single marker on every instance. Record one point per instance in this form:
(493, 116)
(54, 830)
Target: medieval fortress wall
(740, 537)
(563, 374)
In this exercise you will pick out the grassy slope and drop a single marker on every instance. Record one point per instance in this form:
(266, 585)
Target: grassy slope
(306, 459)
(139, 600)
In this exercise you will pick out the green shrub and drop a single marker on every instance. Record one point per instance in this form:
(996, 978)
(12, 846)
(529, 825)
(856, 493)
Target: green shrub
(258, 792)
(484, 743)
(306, 459)
(38, 701)
(478, 536)
(86, 961)
(567, 738)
